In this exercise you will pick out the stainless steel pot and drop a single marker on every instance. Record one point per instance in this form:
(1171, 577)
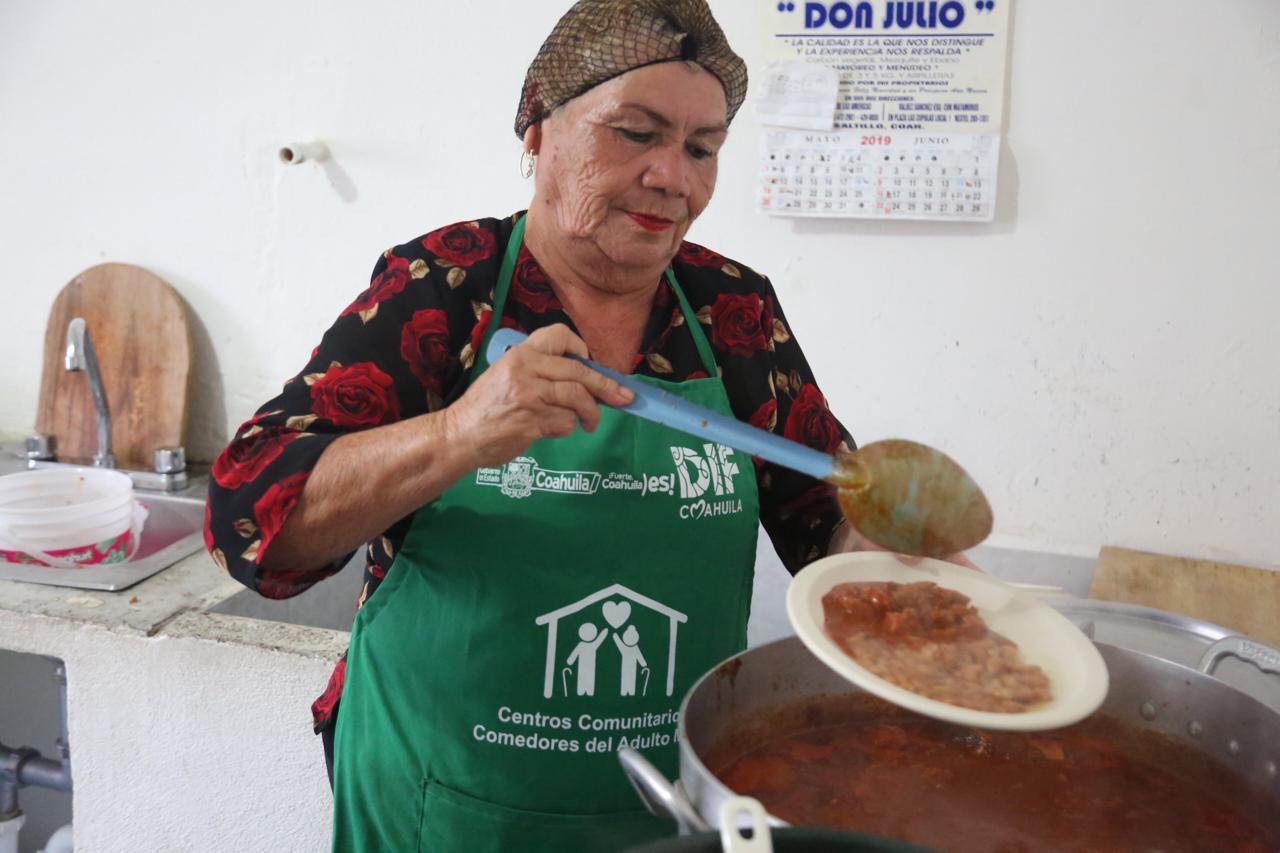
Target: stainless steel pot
(1147, 690)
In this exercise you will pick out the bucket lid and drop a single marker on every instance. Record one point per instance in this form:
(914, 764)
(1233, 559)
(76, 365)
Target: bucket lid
(82, 489)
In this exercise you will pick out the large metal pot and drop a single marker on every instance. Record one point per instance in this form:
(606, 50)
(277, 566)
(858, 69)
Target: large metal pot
(1147, 691)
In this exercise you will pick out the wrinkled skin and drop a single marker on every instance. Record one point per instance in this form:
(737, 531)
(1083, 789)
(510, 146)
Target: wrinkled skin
(532, 392)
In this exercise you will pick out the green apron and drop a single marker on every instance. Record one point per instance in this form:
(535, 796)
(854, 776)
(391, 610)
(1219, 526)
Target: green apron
(539, 617)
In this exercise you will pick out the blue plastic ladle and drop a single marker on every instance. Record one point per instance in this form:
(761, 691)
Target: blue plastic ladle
(905, 496)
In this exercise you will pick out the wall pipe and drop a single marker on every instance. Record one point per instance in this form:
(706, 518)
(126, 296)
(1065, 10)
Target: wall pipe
(300, 152)
(25, 766)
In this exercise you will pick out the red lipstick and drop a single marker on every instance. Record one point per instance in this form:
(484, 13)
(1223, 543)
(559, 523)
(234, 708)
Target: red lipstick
(650, 223)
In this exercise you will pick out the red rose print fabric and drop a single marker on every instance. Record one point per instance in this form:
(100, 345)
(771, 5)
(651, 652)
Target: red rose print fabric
(696, 256)
(461, 245)
(811, 423)
(737, 324)
(424, 346)
(273, 507)
(766, 416)
(357, 396)
(247, 458)
(394, 279)
(209, 544)
(530, 285)
(323, 707)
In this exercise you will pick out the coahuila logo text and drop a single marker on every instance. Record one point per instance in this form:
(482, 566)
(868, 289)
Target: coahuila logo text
(521, 477)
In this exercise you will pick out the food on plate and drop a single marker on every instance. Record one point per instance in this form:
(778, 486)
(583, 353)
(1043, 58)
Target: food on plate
(932, 641)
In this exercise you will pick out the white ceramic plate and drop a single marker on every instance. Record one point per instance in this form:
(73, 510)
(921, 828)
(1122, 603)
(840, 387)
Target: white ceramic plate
(1077, 674)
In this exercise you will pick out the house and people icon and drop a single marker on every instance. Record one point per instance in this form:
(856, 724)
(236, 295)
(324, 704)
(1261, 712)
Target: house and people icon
(575, 673)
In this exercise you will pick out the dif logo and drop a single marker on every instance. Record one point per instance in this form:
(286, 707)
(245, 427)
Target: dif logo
(712, 470)
(898, 14)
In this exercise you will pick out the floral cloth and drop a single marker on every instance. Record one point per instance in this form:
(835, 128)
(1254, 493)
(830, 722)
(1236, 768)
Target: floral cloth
(404, 346)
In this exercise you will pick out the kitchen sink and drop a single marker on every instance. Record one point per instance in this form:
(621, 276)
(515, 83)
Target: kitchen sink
(173, 532)
(329, 604)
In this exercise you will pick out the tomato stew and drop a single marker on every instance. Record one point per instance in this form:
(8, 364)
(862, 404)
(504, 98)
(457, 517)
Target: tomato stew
(856, 763)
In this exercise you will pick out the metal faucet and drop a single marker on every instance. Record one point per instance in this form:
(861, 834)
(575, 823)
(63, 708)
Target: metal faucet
(81, 357)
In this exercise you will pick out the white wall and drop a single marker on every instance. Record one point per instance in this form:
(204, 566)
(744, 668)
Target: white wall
(1101, 356)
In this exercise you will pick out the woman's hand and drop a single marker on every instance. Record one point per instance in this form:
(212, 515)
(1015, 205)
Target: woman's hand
(847, 538)
(532, 392)
(366, 480)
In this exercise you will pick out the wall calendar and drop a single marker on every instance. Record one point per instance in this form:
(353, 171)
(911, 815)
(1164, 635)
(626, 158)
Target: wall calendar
(883, 110)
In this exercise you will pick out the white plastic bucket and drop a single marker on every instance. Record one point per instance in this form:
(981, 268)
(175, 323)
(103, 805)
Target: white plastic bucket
(58, 536)
(43, 526)
(68, 517)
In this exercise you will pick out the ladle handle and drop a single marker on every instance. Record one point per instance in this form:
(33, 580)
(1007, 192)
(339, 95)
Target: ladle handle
(661, 407)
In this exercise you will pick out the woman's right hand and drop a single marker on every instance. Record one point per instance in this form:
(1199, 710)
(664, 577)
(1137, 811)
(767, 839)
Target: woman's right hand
(532, 392)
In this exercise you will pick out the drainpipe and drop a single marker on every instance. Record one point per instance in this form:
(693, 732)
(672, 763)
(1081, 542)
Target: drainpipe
(25, 766)
(19, 768)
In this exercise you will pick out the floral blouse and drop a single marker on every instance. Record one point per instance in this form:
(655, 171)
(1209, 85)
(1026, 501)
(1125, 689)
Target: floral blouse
(404, 348)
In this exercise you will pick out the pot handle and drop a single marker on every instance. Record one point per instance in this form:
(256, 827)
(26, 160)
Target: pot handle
(1262, 656)
(658, 795)
(731, 837)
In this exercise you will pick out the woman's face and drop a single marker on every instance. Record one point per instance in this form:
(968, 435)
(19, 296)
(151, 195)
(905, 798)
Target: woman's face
(630, 164)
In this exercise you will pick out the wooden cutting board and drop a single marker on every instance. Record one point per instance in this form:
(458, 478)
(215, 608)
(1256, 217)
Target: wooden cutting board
(142, 337)
(1243, 598)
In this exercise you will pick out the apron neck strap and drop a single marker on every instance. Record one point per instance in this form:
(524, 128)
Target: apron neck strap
(503, 287)
(500, 292)
(695, 328)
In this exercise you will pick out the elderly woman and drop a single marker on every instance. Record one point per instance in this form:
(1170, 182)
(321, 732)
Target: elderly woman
(546, 575)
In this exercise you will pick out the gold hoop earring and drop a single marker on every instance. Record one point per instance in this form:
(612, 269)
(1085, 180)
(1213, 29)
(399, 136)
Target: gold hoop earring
(527, 162)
